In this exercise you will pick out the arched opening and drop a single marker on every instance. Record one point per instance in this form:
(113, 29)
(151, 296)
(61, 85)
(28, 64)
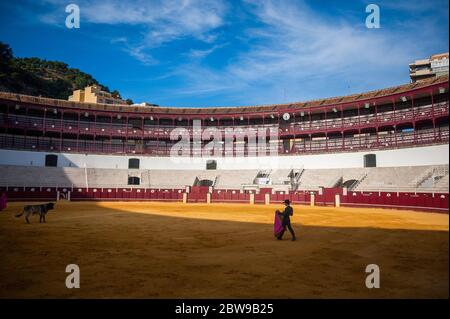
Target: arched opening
(133, 180)
(51, 160)
(203, 182)
(370, 160)
(133, 163)
(211, 164)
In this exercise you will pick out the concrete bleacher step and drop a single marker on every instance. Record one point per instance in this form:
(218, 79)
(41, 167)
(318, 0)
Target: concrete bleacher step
(369, 179)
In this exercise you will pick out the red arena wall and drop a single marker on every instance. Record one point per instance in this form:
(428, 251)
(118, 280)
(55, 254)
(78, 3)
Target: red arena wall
(405, 116)
(438, 202)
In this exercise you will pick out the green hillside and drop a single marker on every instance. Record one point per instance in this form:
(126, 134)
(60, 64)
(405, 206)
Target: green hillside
(34, 76)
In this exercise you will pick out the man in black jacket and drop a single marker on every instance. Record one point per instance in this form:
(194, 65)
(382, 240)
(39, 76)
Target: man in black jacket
(287, 213)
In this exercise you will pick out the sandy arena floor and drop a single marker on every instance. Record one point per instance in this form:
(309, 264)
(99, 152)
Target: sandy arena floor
(169, 250)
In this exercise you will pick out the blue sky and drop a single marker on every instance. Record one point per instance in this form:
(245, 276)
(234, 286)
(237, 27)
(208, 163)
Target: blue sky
(218, 53)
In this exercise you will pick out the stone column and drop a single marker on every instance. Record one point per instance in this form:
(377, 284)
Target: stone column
(337, 200)
(252, 198)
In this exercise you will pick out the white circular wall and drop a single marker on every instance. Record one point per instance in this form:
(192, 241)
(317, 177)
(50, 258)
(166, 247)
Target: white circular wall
(428, 155)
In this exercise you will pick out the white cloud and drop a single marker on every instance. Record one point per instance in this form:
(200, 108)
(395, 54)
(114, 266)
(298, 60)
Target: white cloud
(297, 39)
(199, 54)
(407, 6)
(137, 53)
(166, 19)
(298, 55)
(288, 51)
(163, 20)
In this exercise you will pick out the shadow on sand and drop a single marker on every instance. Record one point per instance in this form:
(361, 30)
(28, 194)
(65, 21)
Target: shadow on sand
(124, 254)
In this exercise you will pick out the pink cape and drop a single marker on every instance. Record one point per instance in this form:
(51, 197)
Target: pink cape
(278, 228)
(3, 202)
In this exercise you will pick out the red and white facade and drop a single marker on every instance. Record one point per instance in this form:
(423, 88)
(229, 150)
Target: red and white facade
(403, 126)
(400, 117)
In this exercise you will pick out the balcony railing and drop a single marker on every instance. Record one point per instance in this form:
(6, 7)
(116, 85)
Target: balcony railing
(307, 146)
(389, 118)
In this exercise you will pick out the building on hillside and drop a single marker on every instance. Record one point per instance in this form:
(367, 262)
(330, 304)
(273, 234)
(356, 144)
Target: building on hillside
(94, 94)
(144, 104)
(434, 66)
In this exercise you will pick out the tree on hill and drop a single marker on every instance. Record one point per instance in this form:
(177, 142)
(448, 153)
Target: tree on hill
(40, 77)
(6, 56)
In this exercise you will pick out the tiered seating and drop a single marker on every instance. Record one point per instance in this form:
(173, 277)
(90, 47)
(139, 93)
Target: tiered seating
(393, 179)
(280, 176)
(223, 179)
(401, 179)
(436, 178)
(443, 184)
(102, 177)
(406, 179)
(312, 179)
(234, 179)
(39, 176)
(172, 178)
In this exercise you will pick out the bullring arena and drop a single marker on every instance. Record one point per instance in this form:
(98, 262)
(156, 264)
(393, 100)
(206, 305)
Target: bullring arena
(367, 175)
(173, 250)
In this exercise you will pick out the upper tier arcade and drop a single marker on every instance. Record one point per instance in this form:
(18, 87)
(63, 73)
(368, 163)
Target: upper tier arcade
(401, 116)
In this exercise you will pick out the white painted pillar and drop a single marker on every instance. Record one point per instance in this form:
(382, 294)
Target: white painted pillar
(267, 198)
(208, 198)
(313, 200)
(252, 198)
(185, 198)
(337, 200)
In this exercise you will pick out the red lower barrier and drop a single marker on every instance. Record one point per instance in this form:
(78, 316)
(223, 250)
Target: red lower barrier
(420, 201)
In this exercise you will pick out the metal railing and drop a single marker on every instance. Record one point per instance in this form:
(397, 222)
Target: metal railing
(300, 127)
